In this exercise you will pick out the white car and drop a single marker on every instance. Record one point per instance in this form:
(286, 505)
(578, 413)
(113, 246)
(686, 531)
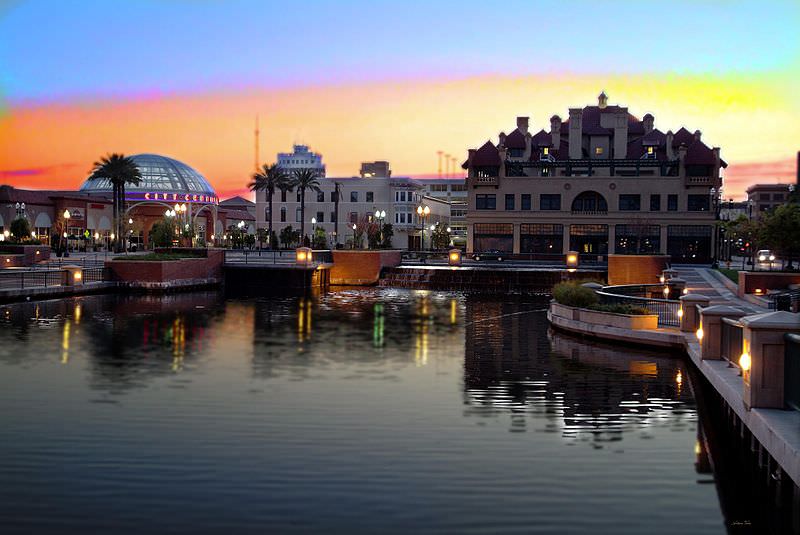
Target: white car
(765, 255)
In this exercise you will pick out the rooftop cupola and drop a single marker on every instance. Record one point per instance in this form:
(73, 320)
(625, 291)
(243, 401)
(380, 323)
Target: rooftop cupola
(602, 100)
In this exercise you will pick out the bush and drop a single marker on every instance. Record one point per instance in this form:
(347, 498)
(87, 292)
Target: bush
(20, 229)
(620, 308)
(574, 295)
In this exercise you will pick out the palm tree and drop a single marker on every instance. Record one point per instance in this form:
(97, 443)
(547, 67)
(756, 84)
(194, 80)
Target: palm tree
(304, 179)
(119, 170)
(268, 179)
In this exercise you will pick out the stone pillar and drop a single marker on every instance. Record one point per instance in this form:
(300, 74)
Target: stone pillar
(74, 275)
(711, 323)
(662, 246)
(515, 244)
(676, 286)
(763, 344)
(565, 240)
(690, 317)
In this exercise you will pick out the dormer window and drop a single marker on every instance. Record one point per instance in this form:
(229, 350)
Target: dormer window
(649, 153)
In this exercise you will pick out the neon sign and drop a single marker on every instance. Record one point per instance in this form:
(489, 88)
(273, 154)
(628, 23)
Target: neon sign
(172, 197)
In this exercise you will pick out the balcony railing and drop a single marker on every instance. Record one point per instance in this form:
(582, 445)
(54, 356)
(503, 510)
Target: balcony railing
(589, 212)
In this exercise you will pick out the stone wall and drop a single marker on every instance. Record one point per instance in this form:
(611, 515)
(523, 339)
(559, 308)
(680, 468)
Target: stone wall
(169, 273)
(635, 269)
(12, 255)
(361, 268)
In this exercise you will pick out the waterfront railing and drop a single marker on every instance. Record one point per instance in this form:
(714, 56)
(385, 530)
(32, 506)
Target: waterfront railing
(730, 346)
(791, 370)
(641, 295)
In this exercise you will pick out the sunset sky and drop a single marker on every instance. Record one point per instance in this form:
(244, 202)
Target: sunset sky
(388, 80)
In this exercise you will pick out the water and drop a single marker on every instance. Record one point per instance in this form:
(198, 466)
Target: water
(358, 411)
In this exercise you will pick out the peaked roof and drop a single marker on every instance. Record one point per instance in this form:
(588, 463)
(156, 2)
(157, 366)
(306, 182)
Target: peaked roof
(542, 139)
(682, 137)
(237, 201)
(515, 140)
(487, 155)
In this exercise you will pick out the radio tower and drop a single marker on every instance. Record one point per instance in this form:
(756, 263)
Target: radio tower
(447, 165)
(454, 166)
(439, 153)
(256, 132)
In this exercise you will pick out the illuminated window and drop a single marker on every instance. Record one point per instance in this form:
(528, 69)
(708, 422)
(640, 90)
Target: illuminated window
(649, 150)
(598, 150)
(546, 151)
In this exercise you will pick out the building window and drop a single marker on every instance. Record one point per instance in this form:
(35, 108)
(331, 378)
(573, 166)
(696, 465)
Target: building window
(283, 214)
(698, 203)
(370, 196)
(333, 217)
(637, 239)
(298, 215)
(546, 151)
(320, 217)
(458, 187)
(333, 196)
(353, 217)
(509, 201)
(283, 195)
(525, 201)
(543, 238)
(598, 150)
(353, 196)
(655, 203)
(320, 196)
(590, 201)
(630, 202)
(672, 203)
(485, 202)
(550, 201)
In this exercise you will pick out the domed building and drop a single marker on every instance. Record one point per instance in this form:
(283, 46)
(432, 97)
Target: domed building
(167, 184)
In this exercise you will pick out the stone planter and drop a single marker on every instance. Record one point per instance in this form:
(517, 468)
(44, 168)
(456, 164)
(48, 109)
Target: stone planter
(605, 319)
(361, 268)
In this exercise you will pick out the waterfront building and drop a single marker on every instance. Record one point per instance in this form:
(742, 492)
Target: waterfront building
(360, 197)
(166, 183)
(454, 192)
(600, 182)
(301, 157)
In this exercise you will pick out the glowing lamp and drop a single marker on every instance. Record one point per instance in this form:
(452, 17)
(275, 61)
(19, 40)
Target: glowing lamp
(37, 252)
(303, 256)
(572, 259)
(745, 362)
(8, 260)
(666, 291)
(454, 257)
(662, 278)
(680, 312)
(685, 291)
(66, 214)
(758, 291)
(700, 333)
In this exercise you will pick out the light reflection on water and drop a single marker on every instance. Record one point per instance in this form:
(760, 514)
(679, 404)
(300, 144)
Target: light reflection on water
(360, 410)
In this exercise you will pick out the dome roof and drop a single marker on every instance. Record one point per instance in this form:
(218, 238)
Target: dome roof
(159, 175)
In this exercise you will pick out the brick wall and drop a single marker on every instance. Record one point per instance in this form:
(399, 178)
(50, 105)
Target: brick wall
(635, 269)
(23, 255)
(749, 281)
(361, 268)
(185, 269)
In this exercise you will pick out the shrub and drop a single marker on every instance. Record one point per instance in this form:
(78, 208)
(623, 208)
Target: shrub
(574, 295)
(620, 308)
(20, 229)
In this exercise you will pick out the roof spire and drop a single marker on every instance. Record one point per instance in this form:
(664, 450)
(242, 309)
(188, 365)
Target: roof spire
(602, 100)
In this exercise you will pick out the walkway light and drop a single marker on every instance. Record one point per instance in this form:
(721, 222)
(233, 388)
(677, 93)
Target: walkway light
(666, 292)
(304, 255)
(112, 236)
(454, 257)
(66, 214)
(680, 312)
(572, 259)
(96, 235)
(700, 333)
(745, 362)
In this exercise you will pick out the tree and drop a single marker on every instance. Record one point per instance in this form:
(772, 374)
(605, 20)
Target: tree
(163, 233)
(780, 230)
(388, 233)
(20, 229)
(119, 170)
(320, 240)
(263, 236)
(288, 237)
(747, 233)
(302, 180)
(269, 179)
(440, 237)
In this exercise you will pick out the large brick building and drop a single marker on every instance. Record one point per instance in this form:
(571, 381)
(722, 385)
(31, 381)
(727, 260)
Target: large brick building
(601, 182)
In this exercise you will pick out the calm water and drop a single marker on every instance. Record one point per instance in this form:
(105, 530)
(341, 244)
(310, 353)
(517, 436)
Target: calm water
(358, 411)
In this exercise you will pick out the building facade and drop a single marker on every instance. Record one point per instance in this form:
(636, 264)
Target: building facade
(601, 182)
(454, 192)
(762, 198)
(359, 199)
(301, 157)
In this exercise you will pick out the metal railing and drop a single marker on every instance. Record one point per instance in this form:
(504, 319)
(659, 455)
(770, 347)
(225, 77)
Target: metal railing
(788, 301)
(21, 279)
(791, 371)
(274, 256)
(638, 295)
(96, 274)
(730, 347)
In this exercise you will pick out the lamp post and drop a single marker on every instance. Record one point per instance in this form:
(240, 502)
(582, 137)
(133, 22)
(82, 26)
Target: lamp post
(66, 225)
(354, 235)
(715, 197)
(380, 215)
(423, 212)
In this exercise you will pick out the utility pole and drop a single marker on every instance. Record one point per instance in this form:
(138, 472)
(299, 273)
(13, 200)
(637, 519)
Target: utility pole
(447, 165)
(439, 153)
(336, 212)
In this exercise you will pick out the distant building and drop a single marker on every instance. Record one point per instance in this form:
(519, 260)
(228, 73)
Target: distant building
(454, 192)
(375, 169)
(601, 182)
(764, 197)
(301, 158)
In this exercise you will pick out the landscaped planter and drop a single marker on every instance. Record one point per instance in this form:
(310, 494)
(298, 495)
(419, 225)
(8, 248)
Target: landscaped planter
(17, 255)
(164, 274)
(605, 319)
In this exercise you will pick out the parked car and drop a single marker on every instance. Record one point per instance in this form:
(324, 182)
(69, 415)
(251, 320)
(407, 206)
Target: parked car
(491, 254)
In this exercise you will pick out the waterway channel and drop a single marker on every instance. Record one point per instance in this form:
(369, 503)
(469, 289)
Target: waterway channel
(364, 410)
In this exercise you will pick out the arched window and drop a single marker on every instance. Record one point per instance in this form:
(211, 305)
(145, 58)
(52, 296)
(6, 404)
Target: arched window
(283, 214)
(589, 201)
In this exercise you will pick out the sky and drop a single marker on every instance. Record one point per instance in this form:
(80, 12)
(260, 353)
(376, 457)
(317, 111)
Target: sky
(382, 80)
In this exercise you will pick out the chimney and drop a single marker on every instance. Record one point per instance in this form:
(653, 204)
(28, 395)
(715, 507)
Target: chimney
(527, 155)
(555, 132)
(697, 135)
(670, 148)
(501, 142)
(621, 134)
(522, 124)
(575, 133)
(798, 170)
(470, 156)
(602, 100)
(682, 159)
(647, 122)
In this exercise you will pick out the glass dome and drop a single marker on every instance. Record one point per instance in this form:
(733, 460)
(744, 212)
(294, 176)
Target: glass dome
(159, 175)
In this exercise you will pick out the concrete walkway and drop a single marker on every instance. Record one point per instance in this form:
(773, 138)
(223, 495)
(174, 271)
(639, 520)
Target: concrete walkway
(704, 281)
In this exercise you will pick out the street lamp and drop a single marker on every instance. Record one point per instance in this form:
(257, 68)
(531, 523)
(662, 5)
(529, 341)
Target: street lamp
(354, 235)
(380, 215)
(66, 225)
(423, 212)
